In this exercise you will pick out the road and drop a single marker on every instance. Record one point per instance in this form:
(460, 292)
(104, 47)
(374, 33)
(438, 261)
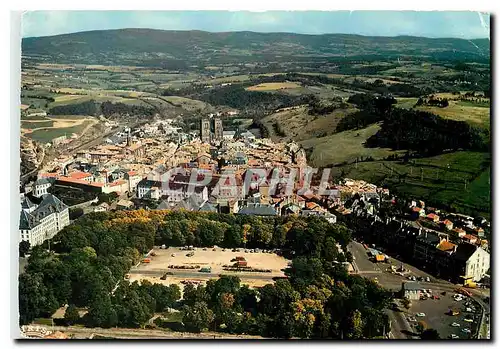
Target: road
(196, 274)
(361, 263)
(135, 333)
(363, 266)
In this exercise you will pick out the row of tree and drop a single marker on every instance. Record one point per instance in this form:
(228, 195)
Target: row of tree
(94, 108)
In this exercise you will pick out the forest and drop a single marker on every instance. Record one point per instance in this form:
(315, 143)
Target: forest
(94, 108)
(428, 134)
(419, 131)
(88, 260)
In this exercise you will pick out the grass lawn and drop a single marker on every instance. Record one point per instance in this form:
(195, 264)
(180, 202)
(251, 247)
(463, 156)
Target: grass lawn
(458, 180)
(43, 321)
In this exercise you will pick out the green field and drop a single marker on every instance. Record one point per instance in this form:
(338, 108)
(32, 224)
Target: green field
(36, 124)
(477, 114)
(458, 180)
(46, 135)
(344, 146)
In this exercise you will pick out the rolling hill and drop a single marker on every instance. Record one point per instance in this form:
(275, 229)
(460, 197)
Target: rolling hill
(155, 47)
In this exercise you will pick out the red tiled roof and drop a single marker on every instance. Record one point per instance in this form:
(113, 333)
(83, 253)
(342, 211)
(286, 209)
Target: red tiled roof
(417, 209)
(447, 221)
(469, 237)
(311, 205)
(79, 175)
(48, 175)
(79, 181)
(446, 246)
(118, 182)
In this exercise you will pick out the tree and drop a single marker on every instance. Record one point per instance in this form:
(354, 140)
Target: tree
(75, 213)
(71, 316)
(35, 299)
(355, 325)
(430, 334)
(421, 326)
(197, 317)
(24, 248)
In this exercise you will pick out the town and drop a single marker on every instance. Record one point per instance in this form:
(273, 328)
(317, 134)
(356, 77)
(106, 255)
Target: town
(158, 167)
(227, 183)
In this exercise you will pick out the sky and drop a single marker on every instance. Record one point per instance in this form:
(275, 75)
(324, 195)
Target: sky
(466, 25)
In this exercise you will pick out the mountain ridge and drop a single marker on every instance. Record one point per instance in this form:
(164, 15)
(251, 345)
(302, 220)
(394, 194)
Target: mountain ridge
(201, 47)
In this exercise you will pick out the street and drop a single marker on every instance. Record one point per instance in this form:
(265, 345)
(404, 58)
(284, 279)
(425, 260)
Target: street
(400, 326)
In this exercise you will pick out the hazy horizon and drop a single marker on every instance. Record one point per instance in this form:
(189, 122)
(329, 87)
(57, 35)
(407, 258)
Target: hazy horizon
(430, 24)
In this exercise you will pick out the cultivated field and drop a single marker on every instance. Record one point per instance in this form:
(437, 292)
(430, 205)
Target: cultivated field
(474, 113)
(46, 129)
(298, 125)
(459, 180)
(213, 259)
(273, 86)
(186, 103)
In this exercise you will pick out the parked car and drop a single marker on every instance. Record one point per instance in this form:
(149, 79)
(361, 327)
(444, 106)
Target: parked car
(468, 320)
(453, 336)
(214, 249)
(455, 324)
(223, 250)
(172, 255)
(466, 330)
(428, 279)
(420, 314)
(204, 249)
(443, 293)
(412, 319)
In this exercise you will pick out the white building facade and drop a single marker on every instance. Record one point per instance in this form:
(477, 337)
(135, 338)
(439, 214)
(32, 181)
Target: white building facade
(43, 221)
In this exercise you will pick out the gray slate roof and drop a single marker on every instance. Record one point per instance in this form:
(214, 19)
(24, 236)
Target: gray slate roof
(207, 207)
(192, 203)
(42, 181)
(49, 205)
(258, 210)
(26, 204)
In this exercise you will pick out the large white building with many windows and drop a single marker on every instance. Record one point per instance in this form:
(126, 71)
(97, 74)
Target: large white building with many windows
(43, 221)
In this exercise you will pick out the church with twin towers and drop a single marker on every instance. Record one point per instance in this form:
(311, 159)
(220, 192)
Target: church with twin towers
(211, 130)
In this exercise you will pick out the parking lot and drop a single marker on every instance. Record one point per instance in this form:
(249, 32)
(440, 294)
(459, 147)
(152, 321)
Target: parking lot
(437, 317)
